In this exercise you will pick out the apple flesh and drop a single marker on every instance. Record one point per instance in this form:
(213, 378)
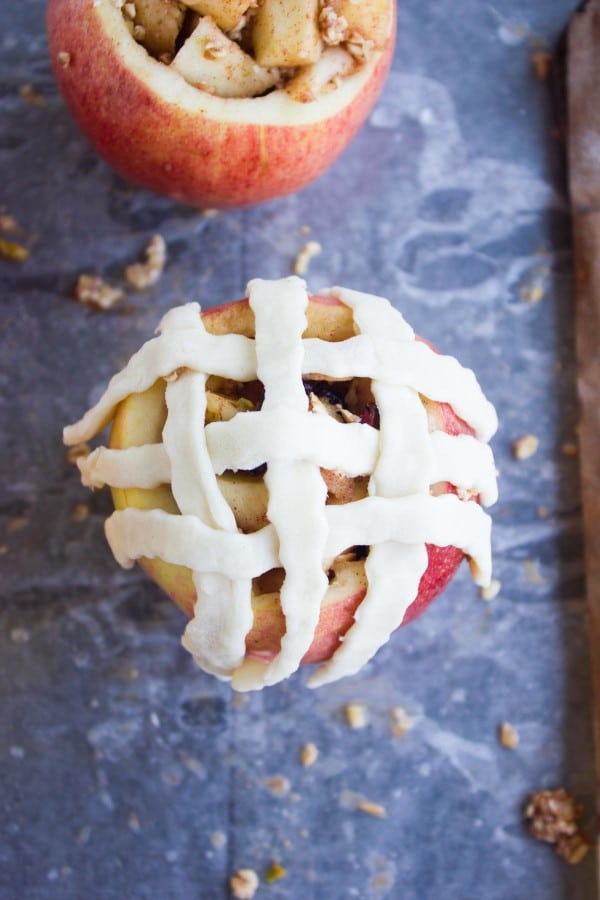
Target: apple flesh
(140, 419)
(167, 135)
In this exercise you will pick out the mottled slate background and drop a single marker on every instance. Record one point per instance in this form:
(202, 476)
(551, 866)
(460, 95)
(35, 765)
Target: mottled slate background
(124, 771)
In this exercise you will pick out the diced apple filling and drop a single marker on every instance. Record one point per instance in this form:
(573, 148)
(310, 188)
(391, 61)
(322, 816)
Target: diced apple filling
(246, 48)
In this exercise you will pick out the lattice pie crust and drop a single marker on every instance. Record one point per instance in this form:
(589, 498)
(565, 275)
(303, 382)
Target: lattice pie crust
(402, 460)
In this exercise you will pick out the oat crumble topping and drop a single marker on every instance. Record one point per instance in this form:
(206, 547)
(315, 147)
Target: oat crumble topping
(244, 884)
(526, 446)
(306, 253)
(552, 817)
(146, 274)
(94, 292)
(334, 28)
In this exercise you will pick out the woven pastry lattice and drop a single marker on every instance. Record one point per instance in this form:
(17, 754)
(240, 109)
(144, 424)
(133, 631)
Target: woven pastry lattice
(304, 534)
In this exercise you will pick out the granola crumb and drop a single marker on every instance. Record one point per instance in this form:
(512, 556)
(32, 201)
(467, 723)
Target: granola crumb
(19, 636)
(16, 523)
(8, 223)
(573, 849)
(508, 735)
(143, 275)
(309, 754)
(244, 884)
(569, 448)
(552, 817)
(356, 715)
(402, 721)
(278, 785)
(29, 95)
(80, 512)
(3, 549)
(134, 822)
(491, 591)
(372, 809)
(541, 63)
(543, 512)
(93, 292)
(533, 574)
(218, 839)
(306, 253)
(526, 446)
(275, 872)
(532, 293)
(79, 451)
(13, 251)
(64, 59)
(304, 229)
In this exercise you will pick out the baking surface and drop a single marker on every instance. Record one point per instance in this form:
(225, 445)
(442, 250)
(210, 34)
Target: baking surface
(126, 772)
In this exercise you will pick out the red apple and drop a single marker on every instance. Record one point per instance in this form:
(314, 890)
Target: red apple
(162, 132)
(140, 419)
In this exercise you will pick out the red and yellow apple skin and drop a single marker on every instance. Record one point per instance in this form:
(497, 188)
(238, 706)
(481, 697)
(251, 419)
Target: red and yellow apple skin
(140, 419)
(165, 135)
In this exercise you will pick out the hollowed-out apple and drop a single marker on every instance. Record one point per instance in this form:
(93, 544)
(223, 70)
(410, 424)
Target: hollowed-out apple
(221, 104)
(140, 419)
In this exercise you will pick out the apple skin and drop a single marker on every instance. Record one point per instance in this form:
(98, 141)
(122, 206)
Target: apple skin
(189, 151)
(140, 419)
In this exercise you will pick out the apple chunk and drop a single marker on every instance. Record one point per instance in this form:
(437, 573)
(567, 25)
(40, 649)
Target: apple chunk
(310, 80)
(226, 13)
(208, 59)
(161, 21)
(286, 33)
(371, 19)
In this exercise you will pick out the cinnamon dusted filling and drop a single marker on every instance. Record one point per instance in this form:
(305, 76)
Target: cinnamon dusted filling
(247, 48)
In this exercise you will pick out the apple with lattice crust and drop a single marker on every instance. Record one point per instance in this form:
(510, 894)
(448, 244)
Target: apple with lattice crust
(221, 103)
(301, 474)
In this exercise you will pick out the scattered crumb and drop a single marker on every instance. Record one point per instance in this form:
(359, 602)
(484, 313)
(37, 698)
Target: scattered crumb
(83, 835)
(304, 229)
(508, 735)
(491, 591)
(244, 884)
(305, 254)
(309, 754)
(13, 251)
(402, 721)
(533, 574)
(552, 817)
(79, 451)
(278, 785)
(543, 512)
(19, 635)
(29, 95)
(356, 715)
(303, 833)
(8, 223)
(94, 292)
(274, 873)
(372, 809)
(526, 446)
(541, 63)
(143, 275)
(80, 512)
(134, 822)
(64, 59)
(16, 523)
(532, 293)
(569, 448)
(3, 549)
(209, 213)
(240, 700)
(217, 839)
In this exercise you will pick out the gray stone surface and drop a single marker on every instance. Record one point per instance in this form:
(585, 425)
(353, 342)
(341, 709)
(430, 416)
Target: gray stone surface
(124, 771)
